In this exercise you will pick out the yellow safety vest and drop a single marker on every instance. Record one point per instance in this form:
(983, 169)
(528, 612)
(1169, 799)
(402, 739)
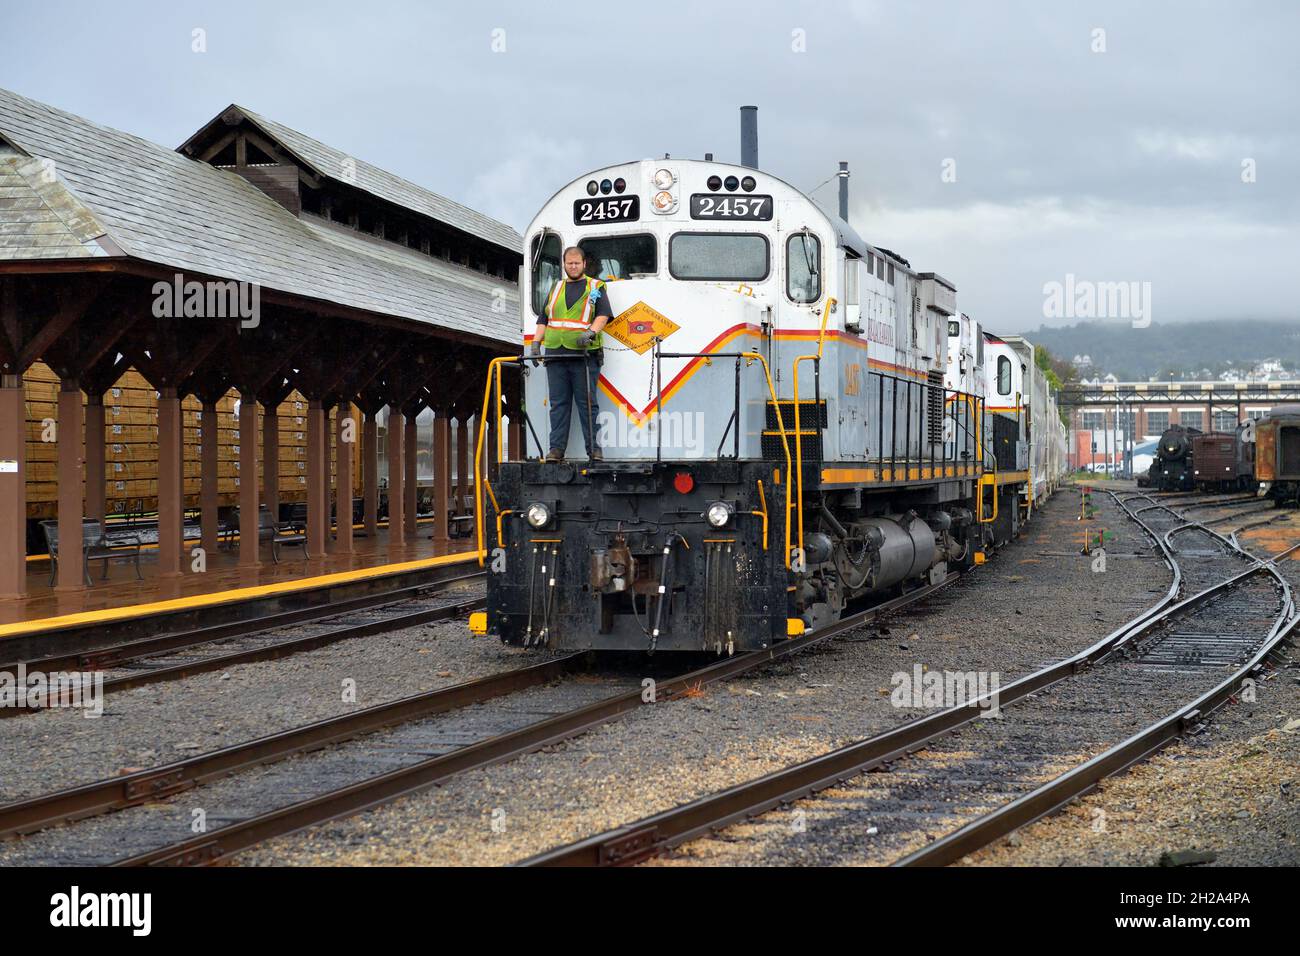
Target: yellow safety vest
(564, 323)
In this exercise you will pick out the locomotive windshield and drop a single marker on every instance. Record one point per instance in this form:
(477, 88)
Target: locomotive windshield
(546, 268)
(718, 255)
(1004, 375)
(618, 257)
(802, 278)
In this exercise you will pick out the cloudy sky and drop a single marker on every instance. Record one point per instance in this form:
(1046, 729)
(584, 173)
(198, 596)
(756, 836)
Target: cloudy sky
(1108, 141)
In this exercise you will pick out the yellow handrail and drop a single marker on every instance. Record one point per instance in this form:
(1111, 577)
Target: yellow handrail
(762, 499)
(767, 372)
(798, 432)
(494, 374)
(981, 483)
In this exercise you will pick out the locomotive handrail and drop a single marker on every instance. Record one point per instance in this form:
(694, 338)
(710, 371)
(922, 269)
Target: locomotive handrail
(762, 500)
(780, 424)
(798, 432)
(480, 479)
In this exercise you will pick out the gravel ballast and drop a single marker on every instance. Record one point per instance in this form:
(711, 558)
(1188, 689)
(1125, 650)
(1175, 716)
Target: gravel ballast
(1036, 601)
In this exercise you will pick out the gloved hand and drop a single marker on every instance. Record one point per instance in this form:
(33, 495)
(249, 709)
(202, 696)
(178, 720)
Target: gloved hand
(536, 348)
(585, 339)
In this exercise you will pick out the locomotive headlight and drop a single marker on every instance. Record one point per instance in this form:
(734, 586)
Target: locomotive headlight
(538, 515)
(664, 178)
(718, 513)
(663, 201)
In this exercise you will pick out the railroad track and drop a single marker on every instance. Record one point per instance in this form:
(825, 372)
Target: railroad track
(460, 748)
(1265, 509)
(202, 650)
(1147, 683)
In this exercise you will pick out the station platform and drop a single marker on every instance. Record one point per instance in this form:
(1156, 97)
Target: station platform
(123, 596)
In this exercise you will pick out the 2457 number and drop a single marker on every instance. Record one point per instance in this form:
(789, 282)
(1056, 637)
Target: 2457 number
(615, 209)
(753, 208)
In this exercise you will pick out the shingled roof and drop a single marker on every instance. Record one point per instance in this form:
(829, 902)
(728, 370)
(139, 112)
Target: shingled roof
(156, 205)
(338, 165)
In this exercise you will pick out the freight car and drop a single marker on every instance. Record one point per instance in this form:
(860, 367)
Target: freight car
(1223, 461)
(131, 448)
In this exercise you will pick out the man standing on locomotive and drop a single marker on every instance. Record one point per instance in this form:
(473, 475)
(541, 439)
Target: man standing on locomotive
(576, 311)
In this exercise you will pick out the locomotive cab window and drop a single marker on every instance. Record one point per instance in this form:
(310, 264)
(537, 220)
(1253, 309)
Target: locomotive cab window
(546, 270)
(803, 279)
(621, 257)
(724, 256)
(1004, 375)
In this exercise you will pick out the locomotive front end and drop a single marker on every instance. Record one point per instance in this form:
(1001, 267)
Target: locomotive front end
(640, 554)
(674, 537)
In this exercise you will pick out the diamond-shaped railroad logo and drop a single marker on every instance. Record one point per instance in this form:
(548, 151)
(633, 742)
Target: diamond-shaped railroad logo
(637, 327)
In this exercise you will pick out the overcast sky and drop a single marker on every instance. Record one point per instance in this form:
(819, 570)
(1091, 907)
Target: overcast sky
(1117, 165)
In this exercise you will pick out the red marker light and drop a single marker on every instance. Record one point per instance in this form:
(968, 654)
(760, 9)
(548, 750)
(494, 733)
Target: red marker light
(683, 482)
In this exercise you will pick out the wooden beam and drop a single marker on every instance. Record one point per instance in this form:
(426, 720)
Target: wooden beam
(10, 330)
(73, 303)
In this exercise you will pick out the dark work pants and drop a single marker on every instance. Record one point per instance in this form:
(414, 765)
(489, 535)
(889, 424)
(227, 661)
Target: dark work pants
(569, 382)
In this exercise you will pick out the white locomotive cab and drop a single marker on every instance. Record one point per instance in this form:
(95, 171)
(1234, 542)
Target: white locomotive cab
(700, 258)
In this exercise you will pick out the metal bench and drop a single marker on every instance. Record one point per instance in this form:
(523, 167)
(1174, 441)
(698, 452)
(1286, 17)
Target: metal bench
(460, 517)
(279, 533)
(95, 546)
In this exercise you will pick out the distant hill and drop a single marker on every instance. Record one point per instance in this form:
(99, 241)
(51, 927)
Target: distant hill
(1184, 349)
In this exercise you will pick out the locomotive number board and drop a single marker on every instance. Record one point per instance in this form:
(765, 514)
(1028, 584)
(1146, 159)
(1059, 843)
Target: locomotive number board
(722, 206)
(588, 212)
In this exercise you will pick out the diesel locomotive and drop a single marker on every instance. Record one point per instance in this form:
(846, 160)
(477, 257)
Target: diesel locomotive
(792, 420)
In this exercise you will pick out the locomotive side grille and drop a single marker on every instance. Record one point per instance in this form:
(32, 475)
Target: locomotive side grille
(934, 407)
(773, 450)
(1006, 435)
(812, 414)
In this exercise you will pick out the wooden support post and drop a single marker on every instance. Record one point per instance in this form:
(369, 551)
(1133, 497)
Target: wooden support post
(249, 498)
(410, 477)
(515, 451)
(396, 473)
(441, 478)
(13, 488)
(328, 443)
(343, 478)
(370, 474)
(209, 475)
(71, 489)
(96, 494)
(464, 477)
(316, 501)
(271, 460)
(171, 513)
